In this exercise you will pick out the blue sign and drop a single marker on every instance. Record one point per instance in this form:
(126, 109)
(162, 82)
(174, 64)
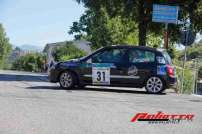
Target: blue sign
(165, 14)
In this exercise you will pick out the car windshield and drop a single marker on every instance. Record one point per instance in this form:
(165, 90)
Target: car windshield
(82, 58)
(167, 57)
(85, 57)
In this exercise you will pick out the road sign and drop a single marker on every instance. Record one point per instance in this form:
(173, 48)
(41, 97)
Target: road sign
(187, 37)
(165, 13)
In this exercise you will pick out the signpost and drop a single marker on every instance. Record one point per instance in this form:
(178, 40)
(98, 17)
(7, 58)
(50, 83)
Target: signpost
(186, 40)
(169, 14)
(187, 37)
(165, 14)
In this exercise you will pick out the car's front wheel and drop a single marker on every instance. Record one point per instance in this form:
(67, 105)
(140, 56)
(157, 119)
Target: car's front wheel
(154, 85)
(67, 80)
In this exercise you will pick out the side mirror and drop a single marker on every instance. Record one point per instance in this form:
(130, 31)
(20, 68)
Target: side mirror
(89, 61)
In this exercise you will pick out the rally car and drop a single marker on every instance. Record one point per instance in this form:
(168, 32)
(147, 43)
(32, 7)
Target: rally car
(123, 66)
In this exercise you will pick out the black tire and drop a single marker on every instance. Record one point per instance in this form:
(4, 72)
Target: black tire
(67, 80)
(155, 85)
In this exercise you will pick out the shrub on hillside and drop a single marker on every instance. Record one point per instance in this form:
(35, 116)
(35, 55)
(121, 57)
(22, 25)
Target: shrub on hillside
(188, 80)
(69, 51)
(30, 62)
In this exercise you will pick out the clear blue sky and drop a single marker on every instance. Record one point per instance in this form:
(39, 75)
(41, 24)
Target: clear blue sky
(38, 22)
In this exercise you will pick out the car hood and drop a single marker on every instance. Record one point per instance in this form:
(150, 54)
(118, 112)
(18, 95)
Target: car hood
(70, 63)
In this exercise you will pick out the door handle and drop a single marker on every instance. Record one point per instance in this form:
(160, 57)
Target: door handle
(118, 67)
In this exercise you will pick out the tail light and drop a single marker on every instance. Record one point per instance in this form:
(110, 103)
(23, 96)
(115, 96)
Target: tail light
(170, 71)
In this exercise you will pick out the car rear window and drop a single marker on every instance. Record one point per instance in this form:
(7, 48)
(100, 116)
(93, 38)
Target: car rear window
(141, 56)
(167, 57)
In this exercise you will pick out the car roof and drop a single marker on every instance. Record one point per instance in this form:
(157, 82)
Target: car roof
(127, 47)
(137, 47)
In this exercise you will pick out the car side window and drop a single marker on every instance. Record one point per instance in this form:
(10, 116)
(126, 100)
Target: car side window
(109, 56)
(141, 56)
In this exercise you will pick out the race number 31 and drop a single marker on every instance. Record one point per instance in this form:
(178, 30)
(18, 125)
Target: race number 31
(101, 75)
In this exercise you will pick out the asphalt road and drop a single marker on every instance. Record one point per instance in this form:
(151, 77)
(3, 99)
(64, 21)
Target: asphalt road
(31, 105)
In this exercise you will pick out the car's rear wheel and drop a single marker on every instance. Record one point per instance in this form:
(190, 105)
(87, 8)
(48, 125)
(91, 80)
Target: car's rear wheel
(154, 85)
(67, 80)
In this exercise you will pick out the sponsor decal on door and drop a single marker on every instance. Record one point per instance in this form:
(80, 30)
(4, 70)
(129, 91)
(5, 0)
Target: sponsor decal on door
(132, 71)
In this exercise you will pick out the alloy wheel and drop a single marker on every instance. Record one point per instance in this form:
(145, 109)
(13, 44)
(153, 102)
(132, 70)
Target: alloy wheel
(154, 85)
(66, 80)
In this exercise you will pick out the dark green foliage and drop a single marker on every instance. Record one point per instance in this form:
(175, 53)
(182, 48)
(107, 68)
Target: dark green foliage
(172, 52)
(194, 52)
(101, 30)
(138, 11)
(66, 52)
(33, 62)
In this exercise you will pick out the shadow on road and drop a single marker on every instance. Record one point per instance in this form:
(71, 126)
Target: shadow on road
(46, 87)
(132, 91)
(18, 77)
(93, 89)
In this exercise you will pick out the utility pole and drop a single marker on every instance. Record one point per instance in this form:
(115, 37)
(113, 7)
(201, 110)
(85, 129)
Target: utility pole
(183, 69)
(187, 28)
(195, 76)
(166, 36)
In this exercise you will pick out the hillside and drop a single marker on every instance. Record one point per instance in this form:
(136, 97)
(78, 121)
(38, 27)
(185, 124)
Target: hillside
(193, 52)
(28, 47)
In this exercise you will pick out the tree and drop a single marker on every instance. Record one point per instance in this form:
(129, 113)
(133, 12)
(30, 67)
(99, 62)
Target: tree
(102, 30)
(5, 46)
(193, 52)
(140, 11)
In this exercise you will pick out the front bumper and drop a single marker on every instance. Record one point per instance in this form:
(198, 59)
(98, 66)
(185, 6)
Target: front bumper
(53, 75)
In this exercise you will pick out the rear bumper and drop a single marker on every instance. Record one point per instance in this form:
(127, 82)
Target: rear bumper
(174, 86)
(172, 82)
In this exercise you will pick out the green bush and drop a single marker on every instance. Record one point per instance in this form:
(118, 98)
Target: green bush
(188, 80)
(172, 52)
(193, 52)
(30, 62)
(69, 51)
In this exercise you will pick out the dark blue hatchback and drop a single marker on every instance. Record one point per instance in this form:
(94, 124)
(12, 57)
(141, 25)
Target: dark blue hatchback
(126, 66)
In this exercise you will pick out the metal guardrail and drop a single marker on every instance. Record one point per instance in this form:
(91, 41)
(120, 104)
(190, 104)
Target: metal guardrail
(199, 87)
